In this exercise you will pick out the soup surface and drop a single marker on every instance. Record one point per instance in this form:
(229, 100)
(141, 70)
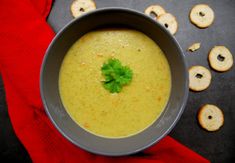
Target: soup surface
(139, 103)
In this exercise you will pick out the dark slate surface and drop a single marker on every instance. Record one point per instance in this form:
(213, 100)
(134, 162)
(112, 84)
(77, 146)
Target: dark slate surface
(11, 150)
(219, 147)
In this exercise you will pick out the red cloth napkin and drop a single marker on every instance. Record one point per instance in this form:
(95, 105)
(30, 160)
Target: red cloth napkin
(24, 37)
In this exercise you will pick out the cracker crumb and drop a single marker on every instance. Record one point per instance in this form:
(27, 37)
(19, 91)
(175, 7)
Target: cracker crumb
(194, 47)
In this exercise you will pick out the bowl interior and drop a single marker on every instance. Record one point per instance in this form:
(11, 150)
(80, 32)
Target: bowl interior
(113, 17)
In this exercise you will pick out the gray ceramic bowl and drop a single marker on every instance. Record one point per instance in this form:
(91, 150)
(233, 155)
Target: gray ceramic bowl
(113, 17)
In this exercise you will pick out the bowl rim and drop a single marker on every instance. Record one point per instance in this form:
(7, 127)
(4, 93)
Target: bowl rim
(131, 11)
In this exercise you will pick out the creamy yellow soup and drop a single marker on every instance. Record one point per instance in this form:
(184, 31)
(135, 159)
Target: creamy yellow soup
(114, 115)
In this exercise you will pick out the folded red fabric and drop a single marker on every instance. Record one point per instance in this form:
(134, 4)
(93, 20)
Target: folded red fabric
(24, 37)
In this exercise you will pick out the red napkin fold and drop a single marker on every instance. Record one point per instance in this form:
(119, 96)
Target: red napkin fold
(24, 37)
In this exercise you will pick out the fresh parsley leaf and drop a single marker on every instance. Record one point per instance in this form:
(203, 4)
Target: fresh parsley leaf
(116, 75)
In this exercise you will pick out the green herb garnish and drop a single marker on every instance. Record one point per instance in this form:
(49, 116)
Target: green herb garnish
(116, 75)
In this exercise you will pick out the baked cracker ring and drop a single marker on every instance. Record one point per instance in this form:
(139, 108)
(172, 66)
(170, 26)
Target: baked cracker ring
(156, 10)
(220, 58)
(169, 22)
(202, 15)
(199, 78)
(210, 117)
(79, 7)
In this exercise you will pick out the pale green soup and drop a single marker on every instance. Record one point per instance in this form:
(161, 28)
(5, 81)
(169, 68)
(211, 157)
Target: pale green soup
(122, 114)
